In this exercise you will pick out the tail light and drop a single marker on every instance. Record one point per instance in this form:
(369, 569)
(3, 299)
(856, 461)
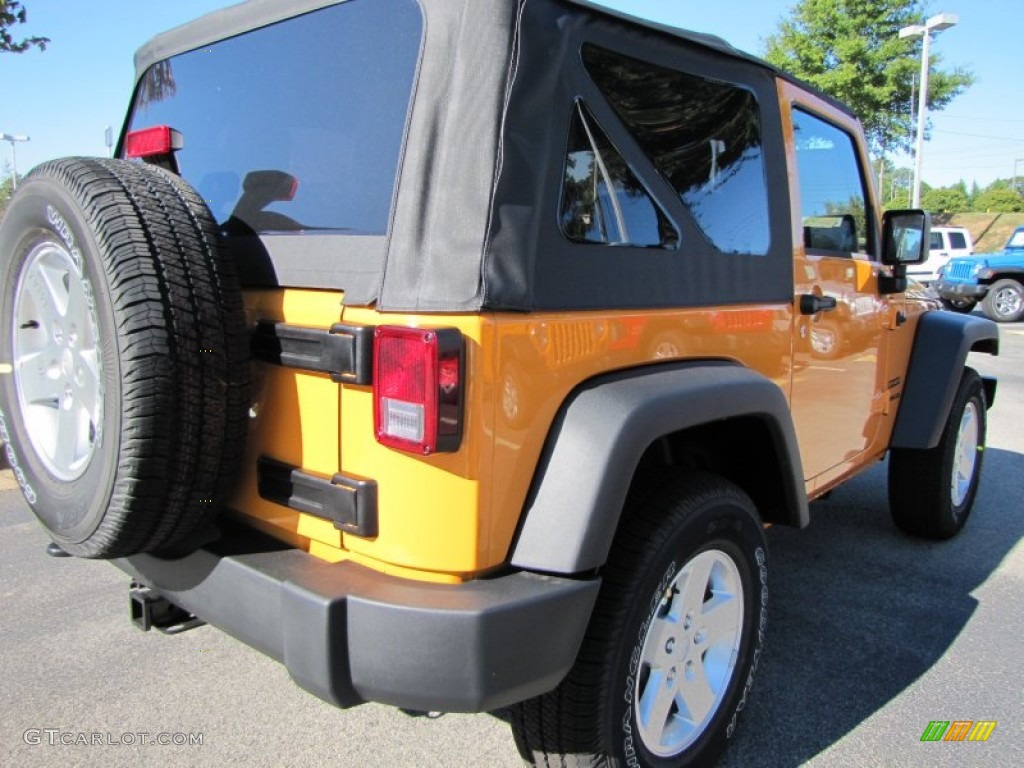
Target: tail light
(418, 388)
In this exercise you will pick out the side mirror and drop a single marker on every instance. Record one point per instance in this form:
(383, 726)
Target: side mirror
(905, 236)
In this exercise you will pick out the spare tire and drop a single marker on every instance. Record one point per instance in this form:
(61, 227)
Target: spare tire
(125, 405)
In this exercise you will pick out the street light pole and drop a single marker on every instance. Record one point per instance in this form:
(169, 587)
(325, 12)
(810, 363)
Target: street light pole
(14, 155)
(935, 24)
(1014, 185)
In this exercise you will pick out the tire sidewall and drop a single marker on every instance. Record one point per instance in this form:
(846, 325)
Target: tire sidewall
(970, 391)
(72, 511)
(729, 528)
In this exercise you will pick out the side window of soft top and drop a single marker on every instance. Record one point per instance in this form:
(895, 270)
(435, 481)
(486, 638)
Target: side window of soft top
(602, 199)
(702, 136)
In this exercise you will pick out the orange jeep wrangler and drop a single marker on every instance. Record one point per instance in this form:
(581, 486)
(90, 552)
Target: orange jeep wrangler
(456, 353)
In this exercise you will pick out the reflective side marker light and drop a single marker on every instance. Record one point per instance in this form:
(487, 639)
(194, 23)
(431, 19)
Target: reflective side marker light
(152, 142)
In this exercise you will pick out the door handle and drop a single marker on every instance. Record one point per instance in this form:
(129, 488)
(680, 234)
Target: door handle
(812, 305)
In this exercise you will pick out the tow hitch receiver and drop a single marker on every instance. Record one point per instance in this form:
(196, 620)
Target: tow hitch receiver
(151, 611)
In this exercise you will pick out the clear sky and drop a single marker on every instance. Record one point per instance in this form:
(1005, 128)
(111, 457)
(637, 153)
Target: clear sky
(65, 97)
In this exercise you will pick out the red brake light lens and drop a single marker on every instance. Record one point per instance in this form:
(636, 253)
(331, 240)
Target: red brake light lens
(417, 388)
(150, 142)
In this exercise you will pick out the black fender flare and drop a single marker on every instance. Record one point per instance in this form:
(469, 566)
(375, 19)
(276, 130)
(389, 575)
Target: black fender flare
(941, 345)
(601, 433)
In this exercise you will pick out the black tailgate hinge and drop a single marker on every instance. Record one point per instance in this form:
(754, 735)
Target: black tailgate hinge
(348, 502)
(345, 351)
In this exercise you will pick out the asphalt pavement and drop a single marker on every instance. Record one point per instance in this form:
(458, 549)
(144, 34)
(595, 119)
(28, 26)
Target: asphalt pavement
(872, 636)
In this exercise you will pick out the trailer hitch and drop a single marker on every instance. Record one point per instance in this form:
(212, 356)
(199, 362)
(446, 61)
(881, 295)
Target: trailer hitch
(150, 610)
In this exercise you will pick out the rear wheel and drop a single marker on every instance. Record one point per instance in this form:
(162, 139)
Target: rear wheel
(931, 492)
(125, 411)
(1004, 301)
(672, 647)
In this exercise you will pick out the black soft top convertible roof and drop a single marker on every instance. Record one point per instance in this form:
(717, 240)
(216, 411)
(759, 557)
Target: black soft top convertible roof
(474, 224)
(252, 14)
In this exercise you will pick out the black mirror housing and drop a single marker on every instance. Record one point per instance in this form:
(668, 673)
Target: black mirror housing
(905, 236)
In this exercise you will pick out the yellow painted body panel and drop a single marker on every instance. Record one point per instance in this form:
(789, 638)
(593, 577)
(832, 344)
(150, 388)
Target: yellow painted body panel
(543, 357)
(452, 516)
(430, 507)
(295, 416)
(849, 364)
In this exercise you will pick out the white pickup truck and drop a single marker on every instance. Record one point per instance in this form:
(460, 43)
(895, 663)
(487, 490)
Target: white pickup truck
(946, 243)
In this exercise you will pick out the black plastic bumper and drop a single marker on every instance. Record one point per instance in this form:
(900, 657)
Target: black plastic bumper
(350, 634)
(950, 290)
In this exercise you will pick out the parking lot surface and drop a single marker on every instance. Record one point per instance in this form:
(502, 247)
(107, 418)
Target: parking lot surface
(872, 636)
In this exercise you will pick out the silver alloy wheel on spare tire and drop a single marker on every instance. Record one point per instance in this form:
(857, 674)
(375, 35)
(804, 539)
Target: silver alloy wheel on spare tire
(58, 374)
(121, 314)
(689, 653)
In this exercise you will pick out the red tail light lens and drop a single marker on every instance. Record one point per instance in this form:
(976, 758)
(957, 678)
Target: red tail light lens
(418, 388)
(150, 142)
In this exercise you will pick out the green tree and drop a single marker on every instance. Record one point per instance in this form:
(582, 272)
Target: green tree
(1000, 200)
(898, 203)
(945, 200)
(900, 182)
(6, 190)
(13, 12)
(851, 50)
(972, 196)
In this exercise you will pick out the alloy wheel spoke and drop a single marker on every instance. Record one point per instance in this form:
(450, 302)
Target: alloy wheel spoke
(695, 693)
(69, 435)
(655, 705)
(695, 588)
(57, 280)
(36, 378)
(721, 619)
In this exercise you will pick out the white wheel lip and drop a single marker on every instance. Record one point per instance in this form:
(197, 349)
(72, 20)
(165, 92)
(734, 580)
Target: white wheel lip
(690, 652)
(965, 454)
(55, 348)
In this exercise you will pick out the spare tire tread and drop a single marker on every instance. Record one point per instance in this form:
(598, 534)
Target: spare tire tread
(182, 347)
(184, 293)
(229, 309)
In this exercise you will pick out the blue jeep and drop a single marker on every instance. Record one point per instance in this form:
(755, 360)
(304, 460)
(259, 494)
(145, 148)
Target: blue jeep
(994, 279)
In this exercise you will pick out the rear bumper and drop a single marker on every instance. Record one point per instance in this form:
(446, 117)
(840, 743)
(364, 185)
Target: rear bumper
(350, 634)
(950, 290)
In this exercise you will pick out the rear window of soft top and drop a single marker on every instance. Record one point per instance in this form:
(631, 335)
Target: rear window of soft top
(297, 126)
